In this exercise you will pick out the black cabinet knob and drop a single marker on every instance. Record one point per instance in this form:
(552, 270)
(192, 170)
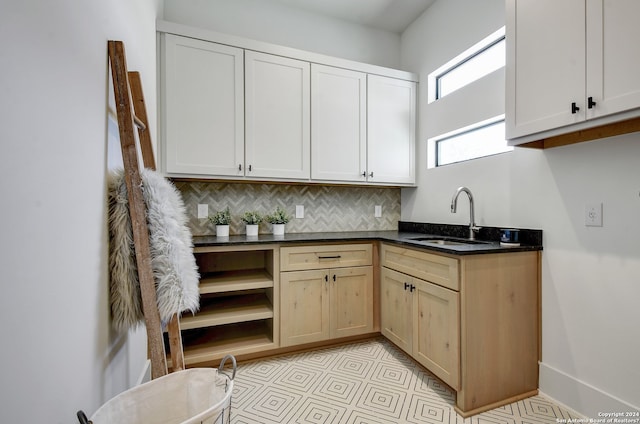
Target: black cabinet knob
(574, 108)
(590, 103)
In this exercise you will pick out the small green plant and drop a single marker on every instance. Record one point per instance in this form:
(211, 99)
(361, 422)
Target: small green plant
(221, 217)
(279, 216)
(252, 218)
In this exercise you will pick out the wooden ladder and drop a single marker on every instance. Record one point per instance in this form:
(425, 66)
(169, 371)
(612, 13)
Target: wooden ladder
(127, 90)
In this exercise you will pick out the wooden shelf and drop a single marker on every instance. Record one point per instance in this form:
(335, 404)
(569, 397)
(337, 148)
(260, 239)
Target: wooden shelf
(222, 282)
(239, 303)
(229, 310)
(213, 344)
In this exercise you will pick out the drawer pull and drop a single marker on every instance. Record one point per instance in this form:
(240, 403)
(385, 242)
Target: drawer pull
(330, 257)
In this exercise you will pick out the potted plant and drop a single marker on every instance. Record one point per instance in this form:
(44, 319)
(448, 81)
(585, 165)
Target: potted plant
(253, 220)
(221, 219)
(278, 219)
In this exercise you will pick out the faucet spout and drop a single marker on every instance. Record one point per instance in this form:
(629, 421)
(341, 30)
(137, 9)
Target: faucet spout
(472, 220)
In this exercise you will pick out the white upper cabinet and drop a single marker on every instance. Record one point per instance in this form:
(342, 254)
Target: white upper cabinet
(548, 65)
(277, 117)
(569, 63)
(613, 56)
(239, 109)
(338, 124)
(391, 123)
(202, 113)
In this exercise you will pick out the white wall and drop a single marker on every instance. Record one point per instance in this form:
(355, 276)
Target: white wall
(590, 310)
(279, 24)
(58, 354)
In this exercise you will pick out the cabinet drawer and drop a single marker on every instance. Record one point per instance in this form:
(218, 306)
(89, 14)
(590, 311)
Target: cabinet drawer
(437, 269)
(325, 256)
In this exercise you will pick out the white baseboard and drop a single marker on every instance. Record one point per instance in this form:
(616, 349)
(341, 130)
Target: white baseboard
(145, 374)
(582, 397)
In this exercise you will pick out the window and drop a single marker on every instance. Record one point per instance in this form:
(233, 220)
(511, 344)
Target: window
(483, 139)
(460, 129)
(471, 65)
(473, 68)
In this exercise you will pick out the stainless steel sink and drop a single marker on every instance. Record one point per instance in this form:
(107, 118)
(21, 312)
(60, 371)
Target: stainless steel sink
(444, 241)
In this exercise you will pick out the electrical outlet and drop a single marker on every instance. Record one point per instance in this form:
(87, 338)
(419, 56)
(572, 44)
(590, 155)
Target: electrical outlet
(299, 211)
(203, 211)
(377, 211)
(593, 215)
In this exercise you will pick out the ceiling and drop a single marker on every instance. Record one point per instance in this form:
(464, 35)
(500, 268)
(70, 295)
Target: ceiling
(388, 15)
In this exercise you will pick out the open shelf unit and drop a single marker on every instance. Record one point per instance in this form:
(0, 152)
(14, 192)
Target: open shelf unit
(239, 301)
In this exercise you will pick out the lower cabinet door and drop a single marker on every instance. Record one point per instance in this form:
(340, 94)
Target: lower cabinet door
(436, 331)
(304, 310)
(396, 308)
(351, 301)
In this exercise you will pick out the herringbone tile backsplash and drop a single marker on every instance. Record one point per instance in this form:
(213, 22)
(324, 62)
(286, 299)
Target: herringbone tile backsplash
(326, 208)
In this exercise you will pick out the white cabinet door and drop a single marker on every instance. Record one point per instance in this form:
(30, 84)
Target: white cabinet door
(581, 67)
(277, 117)
(338, 124)
(613, 56)
(391, 124)
(202, 106)
(545, 65)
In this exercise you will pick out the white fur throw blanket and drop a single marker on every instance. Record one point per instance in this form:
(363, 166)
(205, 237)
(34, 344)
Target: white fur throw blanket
(172, 261)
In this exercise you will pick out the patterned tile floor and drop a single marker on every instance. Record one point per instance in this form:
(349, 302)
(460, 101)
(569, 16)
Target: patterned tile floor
(370, 382)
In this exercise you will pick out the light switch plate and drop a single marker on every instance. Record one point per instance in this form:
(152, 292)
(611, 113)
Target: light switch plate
(377, 211)
(203, 211)
(593, 215)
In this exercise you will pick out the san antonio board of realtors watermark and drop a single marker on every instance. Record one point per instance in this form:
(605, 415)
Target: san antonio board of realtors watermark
(632, 417)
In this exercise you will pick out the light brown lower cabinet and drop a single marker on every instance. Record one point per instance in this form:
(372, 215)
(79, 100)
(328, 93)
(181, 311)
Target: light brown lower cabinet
(472, 320)
(422, 319)
(239, 303)
(326, 303)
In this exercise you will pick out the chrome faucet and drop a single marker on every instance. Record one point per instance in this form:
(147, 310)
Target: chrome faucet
(472, 221)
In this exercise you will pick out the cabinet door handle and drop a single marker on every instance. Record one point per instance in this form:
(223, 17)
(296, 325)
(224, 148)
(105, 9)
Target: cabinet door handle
(330, 257)
(406, 285)
(240, 167)
(364, 174)
(590, 103)
(574, 108)
(371, 174)
(334, 277)
(326, 277)
(249, 168)
(412, 288)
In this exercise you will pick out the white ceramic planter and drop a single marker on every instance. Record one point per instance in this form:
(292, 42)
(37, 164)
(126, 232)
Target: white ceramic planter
(278, 229)
(222, 231)
(252, 230)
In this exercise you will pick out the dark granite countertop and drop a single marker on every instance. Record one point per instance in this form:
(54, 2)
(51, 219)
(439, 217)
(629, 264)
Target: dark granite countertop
(489, 238)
